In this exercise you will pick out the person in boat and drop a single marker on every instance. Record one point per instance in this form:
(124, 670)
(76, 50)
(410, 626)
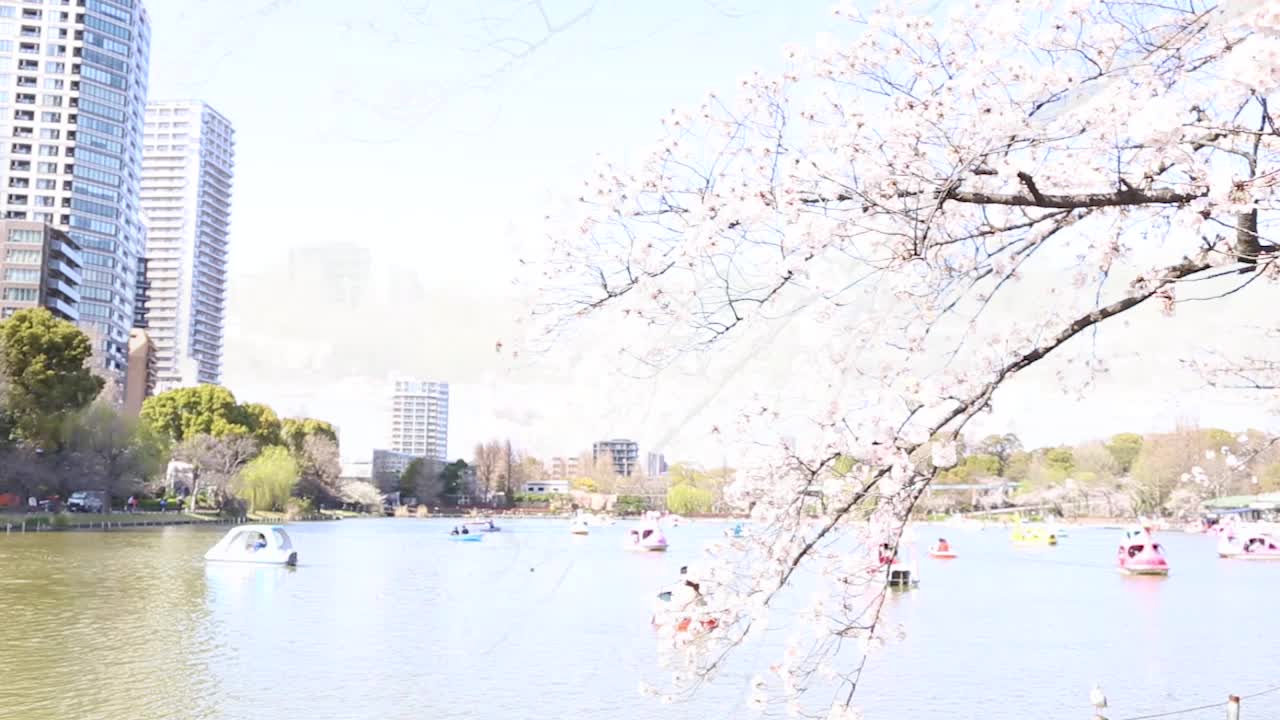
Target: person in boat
(943, 546)
(886, 553)
(259, 542)
(465, 531)
(454, 531)
(491, 525)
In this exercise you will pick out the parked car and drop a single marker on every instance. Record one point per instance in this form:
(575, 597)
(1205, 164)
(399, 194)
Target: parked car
(87, 501)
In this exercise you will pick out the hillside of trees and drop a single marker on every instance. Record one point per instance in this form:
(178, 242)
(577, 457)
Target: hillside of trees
(1167, 474)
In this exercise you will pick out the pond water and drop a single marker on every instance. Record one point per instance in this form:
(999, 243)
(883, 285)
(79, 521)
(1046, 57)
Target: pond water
(389, 619)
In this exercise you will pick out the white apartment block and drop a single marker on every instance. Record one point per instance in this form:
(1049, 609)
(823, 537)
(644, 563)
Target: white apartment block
(73, 90)
(420, 419)
(187, 167)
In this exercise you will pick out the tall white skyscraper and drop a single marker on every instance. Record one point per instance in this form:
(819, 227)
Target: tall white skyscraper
(73, 90)
(187, 169)
(420, 419)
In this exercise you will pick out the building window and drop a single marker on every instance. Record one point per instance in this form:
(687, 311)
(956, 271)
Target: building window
(22, 257)
(22, 275)
(22, 294)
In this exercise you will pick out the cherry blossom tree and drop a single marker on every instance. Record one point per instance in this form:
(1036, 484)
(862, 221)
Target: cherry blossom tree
(919, 208)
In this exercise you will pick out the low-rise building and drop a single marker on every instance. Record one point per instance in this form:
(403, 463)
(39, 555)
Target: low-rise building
(547, 487)
(140, 379)
(563, 468)
(387, 467)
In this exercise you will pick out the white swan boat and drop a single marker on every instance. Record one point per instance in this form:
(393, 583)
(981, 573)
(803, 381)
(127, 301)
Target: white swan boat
(579, 526)
(646, 538)
(262, 544)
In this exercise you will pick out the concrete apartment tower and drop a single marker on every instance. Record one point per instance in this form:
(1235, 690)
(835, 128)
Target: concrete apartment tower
(187, 169)
(73, 92)
(420, 419)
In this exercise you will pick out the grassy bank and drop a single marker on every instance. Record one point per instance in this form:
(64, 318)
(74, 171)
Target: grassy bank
(104, 521)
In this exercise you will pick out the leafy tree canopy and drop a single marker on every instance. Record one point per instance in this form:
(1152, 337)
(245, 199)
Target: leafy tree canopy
(43, 361)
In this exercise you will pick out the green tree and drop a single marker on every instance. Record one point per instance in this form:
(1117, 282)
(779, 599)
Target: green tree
(452, 476)
(118, 452)
(295, 431)
(1269, 478)
(1060, 461)
(42, 359)
(1000, 446)
(267, 482)
(201, 410)
(972, 469)
(1125, 448)
(262, 422)
(1018, 466)
(687, 500)
(421, 479)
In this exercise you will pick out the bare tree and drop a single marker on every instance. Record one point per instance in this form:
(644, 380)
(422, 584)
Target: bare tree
(488, 463)
(319, 467)
(217, 461)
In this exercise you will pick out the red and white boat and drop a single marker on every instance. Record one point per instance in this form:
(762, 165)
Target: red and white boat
(1140, 554)
(942, 550)
(1243, 544)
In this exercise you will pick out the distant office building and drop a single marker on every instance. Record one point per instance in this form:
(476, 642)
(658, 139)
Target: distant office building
(40, 266)
(73, 95)
(563, 468)
(420, 419)
(625, 454)
(141, 381)
(187, 170)
(655, 464)
(387, 467)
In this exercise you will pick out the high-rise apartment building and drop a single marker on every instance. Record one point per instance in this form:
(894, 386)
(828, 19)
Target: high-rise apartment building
(420, 419)
(40, 266)
(625, 454)
(73, 90)
(187, 168)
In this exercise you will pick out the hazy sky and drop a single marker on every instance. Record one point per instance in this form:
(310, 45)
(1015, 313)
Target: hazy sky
(419, 144)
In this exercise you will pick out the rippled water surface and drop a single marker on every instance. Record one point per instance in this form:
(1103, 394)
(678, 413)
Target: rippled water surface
(390, 619)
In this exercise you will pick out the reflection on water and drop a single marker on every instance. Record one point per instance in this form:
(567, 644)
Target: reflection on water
(388, 619)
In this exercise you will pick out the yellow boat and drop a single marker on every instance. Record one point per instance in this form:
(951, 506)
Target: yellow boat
(1032, 534)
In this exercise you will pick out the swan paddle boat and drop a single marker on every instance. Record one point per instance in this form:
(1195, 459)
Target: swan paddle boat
(1140, 554)
(262, 544)
(942, 550)
(1248, 545)
(646, 538)
(902, 575)
(579, 526)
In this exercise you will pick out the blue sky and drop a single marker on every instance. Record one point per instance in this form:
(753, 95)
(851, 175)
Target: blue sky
(409, 129)
(414, 132)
